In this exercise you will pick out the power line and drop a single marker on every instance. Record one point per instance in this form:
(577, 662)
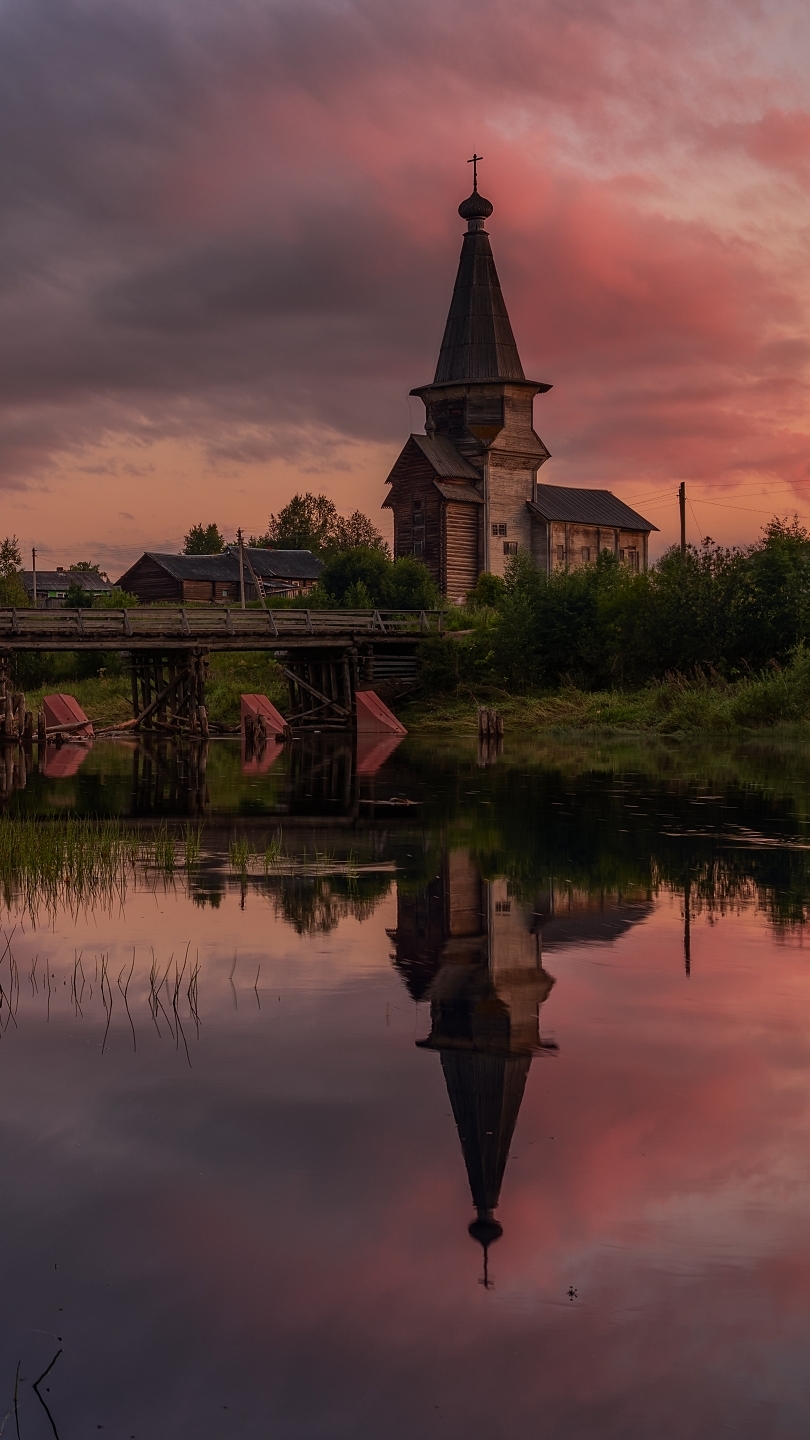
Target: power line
(764, 510)
(742, 490)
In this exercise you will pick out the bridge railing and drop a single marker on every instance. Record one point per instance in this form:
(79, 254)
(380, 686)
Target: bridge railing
(204, 625)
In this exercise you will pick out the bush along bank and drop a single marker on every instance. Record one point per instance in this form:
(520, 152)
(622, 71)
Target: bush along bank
(713, 639)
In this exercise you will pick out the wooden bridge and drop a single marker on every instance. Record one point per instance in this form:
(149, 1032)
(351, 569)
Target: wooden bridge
(326, 655)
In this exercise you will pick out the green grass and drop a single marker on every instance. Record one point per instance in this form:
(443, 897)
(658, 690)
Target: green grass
(675, 705)
(107, 699)
(73, 860)
(249, 673)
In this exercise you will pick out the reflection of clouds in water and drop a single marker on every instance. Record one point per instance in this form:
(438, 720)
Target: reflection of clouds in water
(269, 1229)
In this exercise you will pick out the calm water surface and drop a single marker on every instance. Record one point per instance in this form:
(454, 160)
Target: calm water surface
(487, 1114)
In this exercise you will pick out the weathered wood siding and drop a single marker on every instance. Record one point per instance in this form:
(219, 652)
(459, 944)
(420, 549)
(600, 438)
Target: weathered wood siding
(197, 590)
(571, 546)
(417, 527)
(149, 581)
(461, 549)
(510, 483)
(539, 543)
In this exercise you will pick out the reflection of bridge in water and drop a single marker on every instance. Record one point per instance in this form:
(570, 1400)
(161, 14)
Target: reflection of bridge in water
(467, 946)
(323, 779)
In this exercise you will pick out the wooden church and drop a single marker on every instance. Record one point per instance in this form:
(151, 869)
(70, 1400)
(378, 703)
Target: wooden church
(465, 495)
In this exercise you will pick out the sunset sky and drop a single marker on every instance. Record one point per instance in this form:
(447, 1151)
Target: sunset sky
(229, 236)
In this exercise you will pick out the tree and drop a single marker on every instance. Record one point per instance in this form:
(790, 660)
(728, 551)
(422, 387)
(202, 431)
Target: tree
(307, 523)
(203, 540)
(358, 533)
(77, 598)
(116, 600)
(355, 579)
(10, 557)
(487, 592)
(361, 578)
(12, 590)
(311, 522)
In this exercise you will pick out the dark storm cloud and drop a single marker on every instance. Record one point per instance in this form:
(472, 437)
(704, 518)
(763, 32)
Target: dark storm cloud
(114, 297)
(226, 216)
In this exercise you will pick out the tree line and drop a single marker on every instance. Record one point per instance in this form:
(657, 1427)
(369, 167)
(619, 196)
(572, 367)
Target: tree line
(307, 522)
(712, 612)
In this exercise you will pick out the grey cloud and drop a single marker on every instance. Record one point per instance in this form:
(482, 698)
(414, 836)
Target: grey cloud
(128, 306)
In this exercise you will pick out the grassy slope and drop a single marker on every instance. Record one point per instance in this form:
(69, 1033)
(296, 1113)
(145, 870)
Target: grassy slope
(107, 700)
(670, 707)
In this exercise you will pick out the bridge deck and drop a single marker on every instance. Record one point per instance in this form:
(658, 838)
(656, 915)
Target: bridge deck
(183, 628)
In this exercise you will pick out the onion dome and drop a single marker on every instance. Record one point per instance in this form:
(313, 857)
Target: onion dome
(485, 1230)
(475, 208)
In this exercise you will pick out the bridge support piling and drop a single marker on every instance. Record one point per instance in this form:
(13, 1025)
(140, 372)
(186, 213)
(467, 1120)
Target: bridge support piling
(321, 689)
(168, 690)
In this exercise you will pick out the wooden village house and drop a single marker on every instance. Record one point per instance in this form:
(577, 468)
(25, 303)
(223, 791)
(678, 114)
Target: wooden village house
(215, 578)
(51, 586)
(465, 495)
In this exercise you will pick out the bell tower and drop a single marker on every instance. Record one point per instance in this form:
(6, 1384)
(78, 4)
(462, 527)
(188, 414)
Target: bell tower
(479, 431)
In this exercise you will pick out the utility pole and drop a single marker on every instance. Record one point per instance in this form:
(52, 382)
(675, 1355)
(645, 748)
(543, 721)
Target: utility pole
(682, 503)
(241, 566)
(34, 569)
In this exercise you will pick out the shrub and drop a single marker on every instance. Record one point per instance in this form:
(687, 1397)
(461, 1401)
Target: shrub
(362, 578)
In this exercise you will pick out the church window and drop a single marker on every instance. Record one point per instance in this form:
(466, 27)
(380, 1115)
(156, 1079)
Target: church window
(498, 528)
(418, 547)
(586, 553)
(561, 553)
(631, 557)
(503, 907)
(510, 547)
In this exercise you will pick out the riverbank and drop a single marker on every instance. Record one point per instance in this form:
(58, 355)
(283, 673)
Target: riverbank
(675, 705)
(706, 705)
(107, 699)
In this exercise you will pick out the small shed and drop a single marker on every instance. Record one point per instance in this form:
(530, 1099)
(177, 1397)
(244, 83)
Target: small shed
(215, 578)
(53, 585)
(571, 527)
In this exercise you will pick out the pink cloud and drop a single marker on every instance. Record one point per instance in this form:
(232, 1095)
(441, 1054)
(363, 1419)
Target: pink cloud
(240, 222)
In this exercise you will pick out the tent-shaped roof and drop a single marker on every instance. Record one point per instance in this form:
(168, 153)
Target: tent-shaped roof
(478, 343)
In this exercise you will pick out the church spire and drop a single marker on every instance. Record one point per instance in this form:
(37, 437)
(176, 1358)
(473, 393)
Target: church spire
(478, 342)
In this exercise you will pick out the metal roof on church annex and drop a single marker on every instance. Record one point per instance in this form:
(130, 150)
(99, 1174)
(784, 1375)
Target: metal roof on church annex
(586, 507)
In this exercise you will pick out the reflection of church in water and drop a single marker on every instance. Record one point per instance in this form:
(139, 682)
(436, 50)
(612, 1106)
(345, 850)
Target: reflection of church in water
(465, 945)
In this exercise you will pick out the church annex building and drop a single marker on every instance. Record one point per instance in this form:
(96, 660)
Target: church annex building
(465, 495)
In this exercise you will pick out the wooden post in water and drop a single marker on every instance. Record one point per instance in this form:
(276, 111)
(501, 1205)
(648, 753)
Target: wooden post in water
(490, 723)
(687, 937)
